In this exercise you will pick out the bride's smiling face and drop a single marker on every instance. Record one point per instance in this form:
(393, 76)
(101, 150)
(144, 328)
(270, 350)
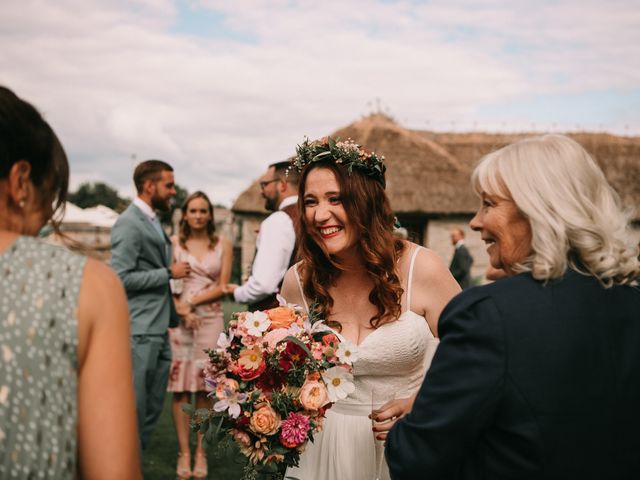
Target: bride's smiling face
(325, 214)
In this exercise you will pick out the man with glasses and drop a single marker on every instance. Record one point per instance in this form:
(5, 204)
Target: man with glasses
(276, 242)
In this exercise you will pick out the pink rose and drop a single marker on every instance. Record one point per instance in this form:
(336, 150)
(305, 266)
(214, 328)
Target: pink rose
(274, 336)
(281, 317)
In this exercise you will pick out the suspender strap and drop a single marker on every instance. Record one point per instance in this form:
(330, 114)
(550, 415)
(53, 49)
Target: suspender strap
(304, 300)
(410, 279)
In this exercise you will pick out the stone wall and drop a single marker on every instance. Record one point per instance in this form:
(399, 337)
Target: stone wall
(438, 238)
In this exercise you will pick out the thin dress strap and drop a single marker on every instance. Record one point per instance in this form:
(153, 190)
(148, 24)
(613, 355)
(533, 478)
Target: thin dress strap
(410, 279)
(304, 300)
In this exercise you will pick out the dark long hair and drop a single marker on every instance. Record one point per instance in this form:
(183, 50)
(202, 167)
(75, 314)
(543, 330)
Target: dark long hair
(25, 135)
(185, 230)
(369, 211)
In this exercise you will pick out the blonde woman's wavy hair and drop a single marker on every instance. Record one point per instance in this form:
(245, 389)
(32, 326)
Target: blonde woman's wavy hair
(576, 217)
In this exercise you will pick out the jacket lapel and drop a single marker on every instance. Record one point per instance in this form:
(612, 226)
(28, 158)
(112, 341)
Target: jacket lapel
(163, 247)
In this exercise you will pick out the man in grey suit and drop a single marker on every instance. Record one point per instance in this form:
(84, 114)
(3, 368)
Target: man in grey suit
(461, 262)
(141, 256)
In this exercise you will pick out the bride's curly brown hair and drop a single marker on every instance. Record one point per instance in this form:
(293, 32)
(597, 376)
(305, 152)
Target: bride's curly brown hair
(370, 214)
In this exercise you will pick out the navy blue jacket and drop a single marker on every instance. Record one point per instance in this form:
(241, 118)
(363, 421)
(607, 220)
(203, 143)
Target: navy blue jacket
(530, 381)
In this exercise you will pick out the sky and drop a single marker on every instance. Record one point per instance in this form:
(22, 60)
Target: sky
(220, 89)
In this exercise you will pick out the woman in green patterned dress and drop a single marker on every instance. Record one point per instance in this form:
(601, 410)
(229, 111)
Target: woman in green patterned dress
(66, 393)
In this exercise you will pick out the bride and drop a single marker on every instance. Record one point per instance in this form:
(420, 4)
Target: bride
(382, 294)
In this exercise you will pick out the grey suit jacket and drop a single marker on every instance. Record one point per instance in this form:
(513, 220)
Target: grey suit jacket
(140, 258)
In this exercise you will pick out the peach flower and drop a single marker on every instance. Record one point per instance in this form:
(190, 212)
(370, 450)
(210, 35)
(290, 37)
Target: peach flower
(228, 384)
(241, 437)
(281, 317)
(313, 395)
(274, 336)
(265, 420)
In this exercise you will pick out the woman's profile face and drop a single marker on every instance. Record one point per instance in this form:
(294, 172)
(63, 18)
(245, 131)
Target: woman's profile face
(325, 214)
(504, 229)
(197, 214)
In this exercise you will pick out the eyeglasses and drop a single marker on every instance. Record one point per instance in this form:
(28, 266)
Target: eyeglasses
(267, 182)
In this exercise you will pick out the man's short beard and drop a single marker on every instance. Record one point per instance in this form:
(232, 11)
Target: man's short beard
(270, 204)
(158, 203)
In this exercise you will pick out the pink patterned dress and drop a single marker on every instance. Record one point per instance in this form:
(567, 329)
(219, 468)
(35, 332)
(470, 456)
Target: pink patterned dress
(188, 345)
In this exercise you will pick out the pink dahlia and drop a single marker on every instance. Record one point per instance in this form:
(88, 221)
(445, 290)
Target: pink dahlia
(294, 430)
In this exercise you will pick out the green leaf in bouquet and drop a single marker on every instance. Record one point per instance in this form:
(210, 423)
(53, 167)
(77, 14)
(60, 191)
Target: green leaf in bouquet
(297, 375)
(255, 395)
(188, 409)
(269, 468)
(218, 426)
(314, 316)
(282, 402)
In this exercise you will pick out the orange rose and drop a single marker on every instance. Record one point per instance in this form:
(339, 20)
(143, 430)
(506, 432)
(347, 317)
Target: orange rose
(313, 395)
(281, 317)
(265, 420)
(330, 338)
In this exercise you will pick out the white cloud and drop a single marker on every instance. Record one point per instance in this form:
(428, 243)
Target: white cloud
(115, 79)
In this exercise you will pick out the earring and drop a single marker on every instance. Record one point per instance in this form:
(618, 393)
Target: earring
(21, 203)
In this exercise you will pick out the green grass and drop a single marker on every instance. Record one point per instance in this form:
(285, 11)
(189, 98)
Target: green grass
(159, 460)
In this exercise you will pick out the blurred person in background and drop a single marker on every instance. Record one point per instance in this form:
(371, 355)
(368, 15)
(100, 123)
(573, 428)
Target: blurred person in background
(276, 242)
(462, 260)
(141, 256)
(197, 299)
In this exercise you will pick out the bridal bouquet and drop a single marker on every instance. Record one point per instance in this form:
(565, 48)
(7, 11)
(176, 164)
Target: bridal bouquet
(274, 374)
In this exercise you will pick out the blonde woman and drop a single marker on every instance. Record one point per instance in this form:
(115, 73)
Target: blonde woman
(537, 375)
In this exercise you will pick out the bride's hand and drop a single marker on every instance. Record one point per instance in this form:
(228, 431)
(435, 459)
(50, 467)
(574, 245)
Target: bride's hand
(388, 414)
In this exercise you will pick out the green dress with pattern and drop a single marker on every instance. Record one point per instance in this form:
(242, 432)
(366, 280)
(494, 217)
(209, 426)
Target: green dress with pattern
(38, 369)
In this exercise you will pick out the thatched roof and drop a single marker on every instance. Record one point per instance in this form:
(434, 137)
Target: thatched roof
(428, 173)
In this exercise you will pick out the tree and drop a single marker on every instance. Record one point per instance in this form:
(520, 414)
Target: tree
(98, 193)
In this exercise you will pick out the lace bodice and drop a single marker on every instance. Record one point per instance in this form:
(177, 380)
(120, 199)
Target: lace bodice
(393, 359)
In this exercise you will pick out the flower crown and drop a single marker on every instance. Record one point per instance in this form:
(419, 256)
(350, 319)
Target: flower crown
(347, 153)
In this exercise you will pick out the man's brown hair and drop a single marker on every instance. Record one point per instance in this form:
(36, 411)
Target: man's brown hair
(149, 170)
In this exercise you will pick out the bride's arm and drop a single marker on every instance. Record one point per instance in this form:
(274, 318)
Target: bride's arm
(433, 287)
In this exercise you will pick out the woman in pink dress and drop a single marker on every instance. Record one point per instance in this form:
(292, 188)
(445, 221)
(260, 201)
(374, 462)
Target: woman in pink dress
(197, 299)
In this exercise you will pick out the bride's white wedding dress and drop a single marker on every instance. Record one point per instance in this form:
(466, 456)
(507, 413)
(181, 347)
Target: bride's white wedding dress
(392, 360)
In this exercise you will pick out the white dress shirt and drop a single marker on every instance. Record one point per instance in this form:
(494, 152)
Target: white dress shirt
(275, 243)
(145, 207)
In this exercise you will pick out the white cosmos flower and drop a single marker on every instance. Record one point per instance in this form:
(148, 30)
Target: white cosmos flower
(224, 342)
(256, 323)
(347, 352)
(339, 383)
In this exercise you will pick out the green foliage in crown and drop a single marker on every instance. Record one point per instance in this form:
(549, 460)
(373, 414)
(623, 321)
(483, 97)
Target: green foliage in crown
(348, 154)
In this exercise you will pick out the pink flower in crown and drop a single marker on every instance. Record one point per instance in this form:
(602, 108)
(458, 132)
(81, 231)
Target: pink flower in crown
(295, 430)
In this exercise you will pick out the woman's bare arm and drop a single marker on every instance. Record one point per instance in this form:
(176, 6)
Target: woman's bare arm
(107, 426)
